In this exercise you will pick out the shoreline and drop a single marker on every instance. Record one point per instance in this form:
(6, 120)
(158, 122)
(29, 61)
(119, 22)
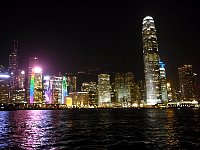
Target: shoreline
(100, 108)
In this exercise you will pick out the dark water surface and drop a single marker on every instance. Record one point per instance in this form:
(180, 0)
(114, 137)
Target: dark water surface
(100, 129)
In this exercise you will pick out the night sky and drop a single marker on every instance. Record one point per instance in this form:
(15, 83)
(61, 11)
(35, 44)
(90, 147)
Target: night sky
(69, 36)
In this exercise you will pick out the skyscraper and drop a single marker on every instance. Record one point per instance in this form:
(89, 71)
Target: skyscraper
(13, 71)
(104, 89)
(120, 87)
(151, 61)
(163, 82)
(34, 88)
(187, 83)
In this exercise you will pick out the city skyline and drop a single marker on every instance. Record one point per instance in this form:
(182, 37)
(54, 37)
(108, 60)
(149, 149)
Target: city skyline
(104, 35)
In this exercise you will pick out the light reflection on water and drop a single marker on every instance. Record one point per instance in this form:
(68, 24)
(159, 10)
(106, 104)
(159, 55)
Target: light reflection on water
(100, 129)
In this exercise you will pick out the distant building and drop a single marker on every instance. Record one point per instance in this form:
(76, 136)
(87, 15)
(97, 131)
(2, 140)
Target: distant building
(4, 88)
(35, 83)
(130, 86)
(187, 83)
(91, 89)
(169, 93)
(79, 99)
(125, 88)
(113, 93)
(13, 71)
(58, 90)
(120, 88)
(151, 62)
(36, 88)
(71, 82)
(104, 87)
(19, 93)
(47, 87)
(163, 82)
(85, 87)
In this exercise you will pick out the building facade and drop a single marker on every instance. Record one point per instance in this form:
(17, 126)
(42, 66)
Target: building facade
(20, 90)
(163, 83)
(120, 89)
(13, 71)
(104, 88)
(4, 88)
(151, 62)
(35, 83)
(187, 83)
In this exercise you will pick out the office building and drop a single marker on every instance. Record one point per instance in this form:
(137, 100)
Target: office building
(4, 88)
(151, 62)
(163, 83)
(34, 87)
(104, 88)
(187, 83)
(13, 71)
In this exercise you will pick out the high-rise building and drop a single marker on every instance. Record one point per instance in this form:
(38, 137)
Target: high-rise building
(187, 83)
(71, 82)
(4, 87)
(125, 88)
(57, 91)
(132, 97)
(91, 89)
(34, 87)
(104, 87)
(13, 71)
(120, 87)
(151, 62)
(20, 90)
(47, 87)
(163, 82)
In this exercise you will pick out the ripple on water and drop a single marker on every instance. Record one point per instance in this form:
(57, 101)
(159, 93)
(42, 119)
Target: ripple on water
(100, 129)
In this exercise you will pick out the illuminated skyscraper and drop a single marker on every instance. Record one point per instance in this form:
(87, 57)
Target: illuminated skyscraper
(47, 89)
(34, 88)
(13, 71)
(124, 87)
(187, 83)
(4, 87)
(104, 89)
(56, 90)
(20, 91)
(163, 82)
(151, 62)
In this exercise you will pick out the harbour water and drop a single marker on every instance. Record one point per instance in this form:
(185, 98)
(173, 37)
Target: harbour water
(100, 129)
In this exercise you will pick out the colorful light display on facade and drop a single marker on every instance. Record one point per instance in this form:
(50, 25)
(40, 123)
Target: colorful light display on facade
(64, 89)
(36, 85)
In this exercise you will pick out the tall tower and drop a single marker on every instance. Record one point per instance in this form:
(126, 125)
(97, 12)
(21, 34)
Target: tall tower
(13, 70)
(151, 61)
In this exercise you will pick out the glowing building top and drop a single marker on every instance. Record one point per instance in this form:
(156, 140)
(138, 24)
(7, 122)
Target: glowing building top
(150, 43)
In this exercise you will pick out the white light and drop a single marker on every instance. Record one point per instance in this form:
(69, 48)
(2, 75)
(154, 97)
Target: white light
(22, 72)
(4, 76)
(46, 77)
(37, 70)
